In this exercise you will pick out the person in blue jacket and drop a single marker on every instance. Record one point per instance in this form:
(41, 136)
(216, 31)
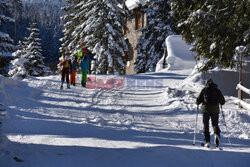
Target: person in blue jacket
(84, 68)
(84, 64)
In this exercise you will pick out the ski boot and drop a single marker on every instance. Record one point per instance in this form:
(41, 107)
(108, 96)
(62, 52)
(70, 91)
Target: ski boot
(83, 84)
(61, 85)
(216, 140)
(207, 144)
(68, 86)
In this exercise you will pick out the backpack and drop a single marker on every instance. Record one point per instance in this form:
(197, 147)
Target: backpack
(211, 96)
(66, 65)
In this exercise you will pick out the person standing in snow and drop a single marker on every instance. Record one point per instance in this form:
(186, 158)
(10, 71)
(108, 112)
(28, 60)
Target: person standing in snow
(211, 97)
(84, 59)
(73, 71)
(66, 67)
(84, 64)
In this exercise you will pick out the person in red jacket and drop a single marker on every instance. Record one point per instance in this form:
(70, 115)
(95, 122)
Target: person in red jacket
(66, 67)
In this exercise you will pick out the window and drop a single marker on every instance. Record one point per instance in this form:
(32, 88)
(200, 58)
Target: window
(125, 30)
(126, 55)
(138, 20)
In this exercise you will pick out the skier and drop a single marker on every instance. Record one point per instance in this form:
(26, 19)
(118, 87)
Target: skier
(211, 97)
(73, 71)
(84, 64)
(84, 68)
(65, 64)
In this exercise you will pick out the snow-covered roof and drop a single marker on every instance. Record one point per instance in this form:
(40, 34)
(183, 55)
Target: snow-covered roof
(131, 4)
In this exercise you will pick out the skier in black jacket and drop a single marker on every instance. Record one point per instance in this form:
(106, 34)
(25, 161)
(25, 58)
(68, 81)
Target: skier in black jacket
(211, 97)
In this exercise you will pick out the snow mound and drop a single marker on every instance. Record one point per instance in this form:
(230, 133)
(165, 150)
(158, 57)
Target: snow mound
(179, 57)
(14, 91)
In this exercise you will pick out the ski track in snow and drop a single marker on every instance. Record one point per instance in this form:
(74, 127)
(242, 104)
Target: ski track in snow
(117, 128)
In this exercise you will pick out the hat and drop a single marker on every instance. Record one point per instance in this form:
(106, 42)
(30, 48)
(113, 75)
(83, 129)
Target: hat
(209, 81)
(80, 54)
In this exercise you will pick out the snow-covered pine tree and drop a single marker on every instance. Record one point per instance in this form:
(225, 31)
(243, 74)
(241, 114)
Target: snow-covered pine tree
(215, 28)
(100, 24)
(29, 61)
(18, 65)
(36, 65)
(6, 42)
(16, 12)
(151, 43)
(69, 27)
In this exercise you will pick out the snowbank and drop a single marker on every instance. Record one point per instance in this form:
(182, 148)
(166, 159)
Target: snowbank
(179, 56)
(226, 80)
(14, 91)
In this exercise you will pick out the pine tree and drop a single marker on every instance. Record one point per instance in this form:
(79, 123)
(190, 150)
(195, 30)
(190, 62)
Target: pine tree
(99, 25)
(69, 26)
(29, 61)
(6, 43)
(34, 49)
(18, 65)
(17, 8)
(215, 28)
(151, 43)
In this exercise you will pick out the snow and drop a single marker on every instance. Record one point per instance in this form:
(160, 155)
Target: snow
(179, 56)
(131, 4)
(148, 122)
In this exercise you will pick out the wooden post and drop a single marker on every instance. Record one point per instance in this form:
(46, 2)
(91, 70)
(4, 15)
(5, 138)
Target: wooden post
(240, 95)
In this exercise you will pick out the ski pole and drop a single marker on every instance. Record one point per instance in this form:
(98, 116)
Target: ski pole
(195, 129)
(223, 115)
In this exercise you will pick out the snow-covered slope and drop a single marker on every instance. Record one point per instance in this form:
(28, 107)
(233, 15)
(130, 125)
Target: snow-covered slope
(148, 122)
(144, 120)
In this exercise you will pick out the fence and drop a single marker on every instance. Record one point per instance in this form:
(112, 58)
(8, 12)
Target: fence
(242, 103)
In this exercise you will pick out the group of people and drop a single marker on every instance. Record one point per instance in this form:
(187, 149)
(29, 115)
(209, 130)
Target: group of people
(69, 68)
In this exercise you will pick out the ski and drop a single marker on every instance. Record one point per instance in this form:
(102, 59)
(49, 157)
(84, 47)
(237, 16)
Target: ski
(212, 148)
(218, 148)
